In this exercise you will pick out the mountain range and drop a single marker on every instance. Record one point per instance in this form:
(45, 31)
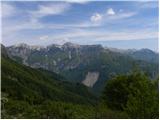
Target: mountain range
(91, 65)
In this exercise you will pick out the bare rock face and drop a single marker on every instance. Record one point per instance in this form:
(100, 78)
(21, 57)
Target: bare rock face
(91, 79)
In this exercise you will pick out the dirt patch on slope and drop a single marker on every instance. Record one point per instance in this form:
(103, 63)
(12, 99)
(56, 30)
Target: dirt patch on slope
(91, 79)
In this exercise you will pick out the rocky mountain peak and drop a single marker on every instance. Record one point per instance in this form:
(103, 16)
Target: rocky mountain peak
(23, 45)
(26, 46)
(54, 45)
(147, 51)
(70, 45)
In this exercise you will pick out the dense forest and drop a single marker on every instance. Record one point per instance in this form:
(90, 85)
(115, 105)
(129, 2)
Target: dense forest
(37, 93)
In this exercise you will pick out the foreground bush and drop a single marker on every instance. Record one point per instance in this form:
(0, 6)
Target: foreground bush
(134, 94)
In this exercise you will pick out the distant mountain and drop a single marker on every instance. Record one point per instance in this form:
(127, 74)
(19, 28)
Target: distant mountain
(145, 54)
(91, 65)
(142, 54)
(53, 57)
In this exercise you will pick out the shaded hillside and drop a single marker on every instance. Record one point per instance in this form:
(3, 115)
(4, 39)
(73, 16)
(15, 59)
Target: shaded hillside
(23, 82)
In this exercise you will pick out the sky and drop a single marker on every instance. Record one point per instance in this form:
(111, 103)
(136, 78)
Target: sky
(116, 24)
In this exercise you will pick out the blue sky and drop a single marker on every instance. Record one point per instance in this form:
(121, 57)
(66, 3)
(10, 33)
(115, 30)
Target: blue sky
(120, 24)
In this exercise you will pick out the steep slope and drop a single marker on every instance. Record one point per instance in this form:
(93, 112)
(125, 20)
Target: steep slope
(23, 83)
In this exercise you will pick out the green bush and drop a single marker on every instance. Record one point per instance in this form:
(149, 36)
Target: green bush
(134, 94)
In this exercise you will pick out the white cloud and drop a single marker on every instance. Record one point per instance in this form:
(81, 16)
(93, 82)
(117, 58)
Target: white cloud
(149, 4)
(45, 37)
(7, 10)
(59, 8)
(31, 22)
(110, 11)
(51, 9)
(94, 36)
(131, 35)
(110, 16)
(77, 1)
(96, 20)
(96, 17)
(122, 15)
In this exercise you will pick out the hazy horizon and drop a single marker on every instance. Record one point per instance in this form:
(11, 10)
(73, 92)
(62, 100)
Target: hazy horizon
(103, 45)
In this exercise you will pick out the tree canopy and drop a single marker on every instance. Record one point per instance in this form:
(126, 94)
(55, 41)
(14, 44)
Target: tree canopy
(134, 93)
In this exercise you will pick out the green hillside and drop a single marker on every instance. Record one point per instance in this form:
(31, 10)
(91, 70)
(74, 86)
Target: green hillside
(31, 87)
